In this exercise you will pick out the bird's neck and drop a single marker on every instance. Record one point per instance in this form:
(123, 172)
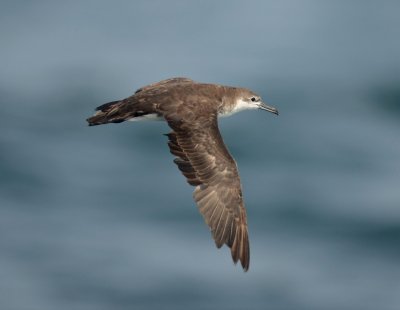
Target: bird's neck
(227, 107)
(232, 103)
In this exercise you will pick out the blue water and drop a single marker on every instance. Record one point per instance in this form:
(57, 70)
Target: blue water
(100, 217)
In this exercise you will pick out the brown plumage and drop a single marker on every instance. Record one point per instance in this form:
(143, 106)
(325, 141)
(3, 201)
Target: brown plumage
(191, 110)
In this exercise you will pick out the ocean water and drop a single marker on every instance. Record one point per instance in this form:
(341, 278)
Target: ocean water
(100, 217)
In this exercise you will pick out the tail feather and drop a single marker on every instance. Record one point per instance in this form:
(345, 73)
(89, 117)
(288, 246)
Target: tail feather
(105, 107)
(120, 111)
(106, 113)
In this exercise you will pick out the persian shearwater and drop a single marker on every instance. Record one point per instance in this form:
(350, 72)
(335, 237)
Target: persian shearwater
(192, 109)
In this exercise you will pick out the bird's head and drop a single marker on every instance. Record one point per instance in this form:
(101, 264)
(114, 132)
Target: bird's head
(246, 99)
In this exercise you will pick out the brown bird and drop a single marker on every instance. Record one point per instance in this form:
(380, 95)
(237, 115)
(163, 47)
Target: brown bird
(192, 109)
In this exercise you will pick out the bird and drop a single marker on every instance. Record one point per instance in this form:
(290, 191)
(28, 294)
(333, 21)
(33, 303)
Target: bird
(191, 109)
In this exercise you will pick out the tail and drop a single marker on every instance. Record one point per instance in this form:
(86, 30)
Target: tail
(107, 113)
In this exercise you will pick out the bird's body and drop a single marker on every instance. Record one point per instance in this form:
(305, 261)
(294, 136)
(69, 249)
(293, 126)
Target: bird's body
(191, 109)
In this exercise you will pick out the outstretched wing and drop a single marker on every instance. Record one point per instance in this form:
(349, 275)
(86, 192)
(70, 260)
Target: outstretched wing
(206, 163)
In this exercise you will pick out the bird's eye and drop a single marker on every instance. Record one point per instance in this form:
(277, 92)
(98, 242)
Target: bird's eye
(253, 99)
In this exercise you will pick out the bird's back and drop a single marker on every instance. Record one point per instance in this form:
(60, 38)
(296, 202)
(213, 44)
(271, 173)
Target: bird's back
(179, 96)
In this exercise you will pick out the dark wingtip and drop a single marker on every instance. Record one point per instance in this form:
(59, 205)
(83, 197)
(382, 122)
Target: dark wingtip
(240, 249)
(245, 265)
(245, 261)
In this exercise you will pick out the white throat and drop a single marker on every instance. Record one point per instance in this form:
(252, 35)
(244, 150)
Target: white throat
(240, 106)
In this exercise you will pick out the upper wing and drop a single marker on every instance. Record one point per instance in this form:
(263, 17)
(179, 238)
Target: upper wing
(206, 163)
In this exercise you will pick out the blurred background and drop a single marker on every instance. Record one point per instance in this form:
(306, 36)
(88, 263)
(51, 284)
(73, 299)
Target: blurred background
(100, 217)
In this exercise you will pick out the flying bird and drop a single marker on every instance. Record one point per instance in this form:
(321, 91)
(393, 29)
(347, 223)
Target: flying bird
(192, 109)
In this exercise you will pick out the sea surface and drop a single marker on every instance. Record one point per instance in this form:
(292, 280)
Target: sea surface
(100, 217)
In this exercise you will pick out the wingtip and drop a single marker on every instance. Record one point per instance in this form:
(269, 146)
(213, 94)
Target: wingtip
(244, 262)
(240, 249)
